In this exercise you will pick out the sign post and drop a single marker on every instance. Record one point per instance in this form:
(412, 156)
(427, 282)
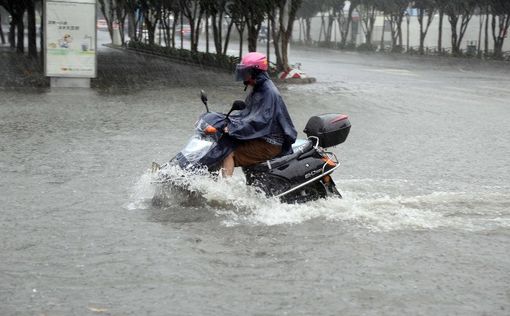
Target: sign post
(70, 42)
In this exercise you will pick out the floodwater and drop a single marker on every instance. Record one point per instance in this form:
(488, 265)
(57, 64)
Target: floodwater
(423, 229)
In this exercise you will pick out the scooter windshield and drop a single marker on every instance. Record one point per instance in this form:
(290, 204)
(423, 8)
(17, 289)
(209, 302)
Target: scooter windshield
(197, 148)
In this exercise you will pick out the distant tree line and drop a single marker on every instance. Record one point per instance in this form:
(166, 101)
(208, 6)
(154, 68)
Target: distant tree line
(494, 20)
(220, 18)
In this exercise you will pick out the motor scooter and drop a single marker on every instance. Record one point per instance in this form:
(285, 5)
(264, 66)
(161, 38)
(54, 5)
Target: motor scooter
(302, 176)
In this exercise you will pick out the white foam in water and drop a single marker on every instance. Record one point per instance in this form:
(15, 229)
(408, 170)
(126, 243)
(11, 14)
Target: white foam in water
(365, 204)
(142, 193)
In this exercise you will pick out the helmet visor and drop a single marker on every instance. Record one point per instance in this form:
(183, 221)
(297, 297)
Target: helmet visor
(242, 72)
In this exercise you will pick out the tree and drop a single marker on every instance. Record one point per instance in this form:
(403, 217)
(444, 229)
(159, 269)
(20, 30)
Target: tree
(426, 9)
(107, 8)
(395, 11)
(335, 9)
(367, 10)
(459, 10)
(254, 13)
(235, 13)
(151, 11)
(170, 12)
(134, 21)
(346, 26)
(115, 13)
(501, 19)
(192, 10)
(308, 9)
(16, 8)
(217, 10)
(484, 8)
(282, 17)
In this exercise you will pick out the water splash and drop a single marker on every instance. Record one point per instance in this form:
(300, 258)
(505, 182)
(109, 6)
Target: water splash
(363, 205)
(142, 193)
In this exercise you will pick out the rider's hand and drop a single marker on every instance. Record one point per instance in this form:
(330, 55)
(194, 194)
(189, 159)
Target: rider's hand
(225, 129)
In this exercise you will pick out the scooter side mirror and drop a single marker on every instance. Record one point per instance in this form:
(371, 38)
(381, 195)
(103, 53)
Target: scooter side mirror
(203, 96)
(238, 105)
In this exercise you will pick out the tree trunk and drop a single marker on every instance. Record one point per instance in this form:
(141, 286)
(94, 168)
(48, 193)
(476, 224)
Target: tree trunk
(285, 50)
(32, 36)
(174, 27)
(345, 33)
(454, 40)
(393, 35)
(382, 34)
(241, 31)
(500, 32)
(268, 44)
(166, 27)
(121, 20)
(253, 34)
(194, 16)
(368, 21)
(301, 30)
(400, 34)
(150, 30)
(20, 47)
(2, 37)
(287, 18)
(227, 36)
(276, 37)
(207, 33)
(196, 34)
(41, 34)
(217, 36)
(12, 33)
(422, 37)
(182, 35)
(308, 36)
(425, 30)
(486, 41)
(440, 35)
(463, 28)
(132, 25)
(322, 29)
(329, 33)
(479, 46)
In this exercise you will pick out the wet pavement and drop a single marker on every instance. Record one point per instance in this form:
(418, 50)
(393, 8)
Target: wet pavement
(424, 226)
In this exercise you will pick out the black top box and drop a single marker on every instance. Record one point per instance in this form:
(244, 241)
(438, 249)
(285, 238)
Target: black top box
(331, 129)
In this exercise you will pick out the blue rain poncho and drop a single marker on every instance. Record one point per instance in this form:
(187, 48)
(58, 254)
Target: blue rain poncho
(264, 109)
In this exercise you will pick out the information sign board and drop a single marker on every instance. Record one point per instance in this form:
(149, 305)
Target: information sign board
(70, 38)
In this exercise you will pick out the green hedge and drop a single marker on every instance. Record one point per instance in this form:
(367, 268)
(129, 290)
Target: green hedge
(227, 63)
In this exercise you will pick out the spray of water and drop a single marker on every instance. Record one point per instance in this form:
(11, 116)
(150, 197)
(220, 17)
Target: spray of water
(363, 205)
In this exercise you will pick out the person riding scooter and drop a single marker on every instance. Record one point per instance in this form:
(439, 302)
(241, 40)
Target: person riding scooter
(264, 129)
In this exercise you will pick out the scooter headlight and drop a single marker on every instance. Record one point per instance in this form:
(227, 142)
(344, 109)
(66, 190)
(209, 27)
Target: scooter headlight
(205, 128)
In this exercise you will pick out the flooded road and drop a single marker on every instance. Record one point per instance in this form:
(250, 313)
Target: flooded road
(424, 226)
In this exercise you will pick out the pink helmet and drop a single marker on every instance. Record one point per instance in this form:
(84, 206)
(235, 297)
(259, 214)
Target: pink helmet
(255, 60)
(251, 62)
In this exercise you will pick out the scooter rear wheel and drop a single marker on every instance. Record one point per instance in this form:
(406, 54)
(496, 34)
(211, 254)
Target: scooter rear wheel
(311, 192)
